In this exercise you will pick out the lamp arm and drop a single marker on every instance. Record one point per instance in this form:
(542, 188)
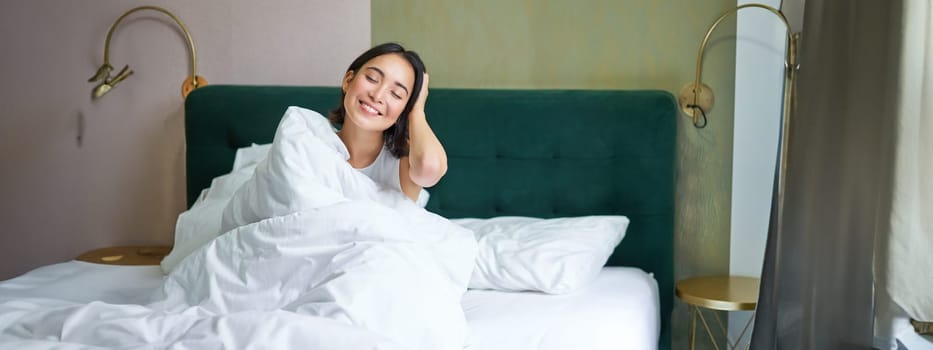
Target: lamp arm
(184, 29)
(696, 83)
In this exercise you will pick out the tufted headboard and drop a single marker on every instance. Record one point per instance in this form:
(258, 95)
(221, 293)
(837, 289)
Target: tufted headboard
(541, 153)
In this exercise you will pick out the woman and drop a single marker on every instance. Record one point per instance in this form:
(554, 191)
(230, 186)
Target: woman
(381, 120)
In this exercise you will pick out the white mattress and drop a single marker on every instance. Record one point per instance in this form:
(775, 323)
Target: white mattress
(617, 311)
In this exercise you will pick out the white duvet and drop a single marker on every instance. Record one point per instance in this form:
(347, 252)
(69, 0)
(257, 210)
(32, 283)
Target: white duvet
(317, 256)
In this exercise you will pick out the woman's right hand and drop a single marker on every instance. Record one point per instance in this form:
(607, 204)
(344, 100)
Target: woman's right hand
(418, 107)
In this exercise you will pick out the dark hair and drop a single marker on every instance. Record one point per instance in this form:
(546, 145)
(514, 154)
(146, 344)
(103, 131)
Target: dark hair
(396, 136)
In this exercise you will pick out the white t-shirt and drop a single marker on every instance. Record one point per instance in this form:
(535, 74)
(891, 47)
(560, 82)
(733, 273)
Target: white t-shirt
(384, 171)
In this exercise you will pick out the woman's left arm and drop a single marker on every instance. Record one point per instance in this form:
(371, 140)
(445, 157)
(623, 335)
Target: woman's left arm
(427, 159)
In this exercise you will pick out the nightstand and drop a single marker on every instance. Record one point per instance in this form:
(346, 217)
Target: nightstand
(723, 293)
(127, 255)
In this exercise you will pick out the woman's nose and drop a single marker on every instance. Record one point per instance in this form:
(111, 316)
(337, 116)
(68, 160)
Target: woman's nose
(378, 94)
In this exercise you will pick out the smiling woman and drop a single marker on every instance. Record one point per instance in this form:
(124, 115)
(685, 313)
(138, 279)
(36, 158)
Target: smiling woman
(382, 121)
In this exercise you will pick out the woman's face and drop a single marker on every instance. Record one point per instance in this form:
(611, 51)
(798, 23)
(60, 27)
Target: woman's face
(378, 92)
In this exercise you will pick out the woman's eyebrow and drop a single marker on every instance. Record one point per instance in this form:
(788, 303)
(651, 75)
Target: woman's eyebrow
(377, 70)
(383, 75)
(402, 86)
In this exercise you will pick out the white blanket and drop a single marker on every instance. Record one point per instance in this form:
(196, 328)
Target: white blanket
(317, 257)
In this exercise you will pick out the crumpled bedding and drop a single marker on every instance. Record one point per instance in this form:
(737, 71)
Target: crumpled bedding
(313, 255)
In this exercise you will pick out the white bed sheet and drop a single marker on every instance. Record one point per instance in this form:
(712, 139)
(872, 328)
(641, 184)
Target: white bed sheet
(619, 310)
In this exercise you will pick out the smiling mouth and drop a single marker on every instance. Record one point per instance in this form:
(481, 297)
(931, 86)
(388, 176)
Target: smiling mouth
(368, 108)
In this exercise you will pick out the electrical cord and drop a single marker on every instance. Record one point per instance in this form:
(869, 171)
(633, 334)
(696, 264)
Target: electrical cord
(702, 113)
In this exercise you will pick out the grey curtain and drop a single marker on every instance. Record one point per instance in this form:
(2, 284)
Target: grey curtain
(816, 289)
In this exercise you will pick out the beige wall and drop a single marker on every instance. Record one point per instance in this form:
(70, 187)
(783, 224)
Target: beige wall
(80, 174)
(596, 44)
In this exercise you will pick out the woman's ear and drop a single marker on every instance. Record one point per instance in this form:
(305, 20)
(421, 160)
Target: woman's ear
(346, 80)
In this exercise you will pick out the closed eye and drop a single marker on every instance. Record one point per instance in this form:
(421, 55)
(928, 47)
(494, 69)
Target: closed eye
(371, 79)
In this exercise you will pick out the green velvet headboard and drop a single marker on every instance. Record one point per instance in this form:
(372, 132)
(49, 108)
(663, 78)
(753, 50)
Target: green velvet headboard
(541, 153)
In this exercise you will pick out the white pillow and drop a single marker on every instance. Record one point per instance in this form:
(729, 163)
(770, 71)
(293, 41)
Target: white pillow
(200, 224)
(554, 256)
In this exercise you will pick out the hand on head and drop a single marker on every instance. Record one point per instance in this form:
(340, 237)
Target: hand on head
(422, 97)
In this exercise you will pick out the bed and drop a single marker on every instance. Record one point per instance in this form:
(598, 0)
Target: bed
(536, 153)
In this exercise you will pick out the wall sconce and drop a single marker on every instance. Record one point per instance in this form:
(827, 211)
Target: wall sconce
(696, 98)
(108, 82)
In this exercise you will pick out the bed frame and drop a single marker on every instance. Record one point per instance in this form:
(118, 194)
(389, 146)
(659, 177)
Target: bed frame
(541, 153)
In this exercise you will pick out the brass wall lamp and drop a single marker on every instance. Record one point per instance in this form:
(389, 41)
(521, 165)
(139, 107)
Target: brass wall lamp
(696, 98)
(108, 82)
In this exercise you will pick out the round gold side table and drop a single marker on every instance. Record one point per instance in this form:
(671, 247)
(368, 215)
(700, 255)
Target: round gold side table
(126, 255)
(724, 293)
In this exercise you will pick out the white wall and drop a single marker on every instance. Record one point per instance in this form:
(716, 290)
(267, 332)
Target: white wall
(80, 174)
(759, 72)
(760, 48)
